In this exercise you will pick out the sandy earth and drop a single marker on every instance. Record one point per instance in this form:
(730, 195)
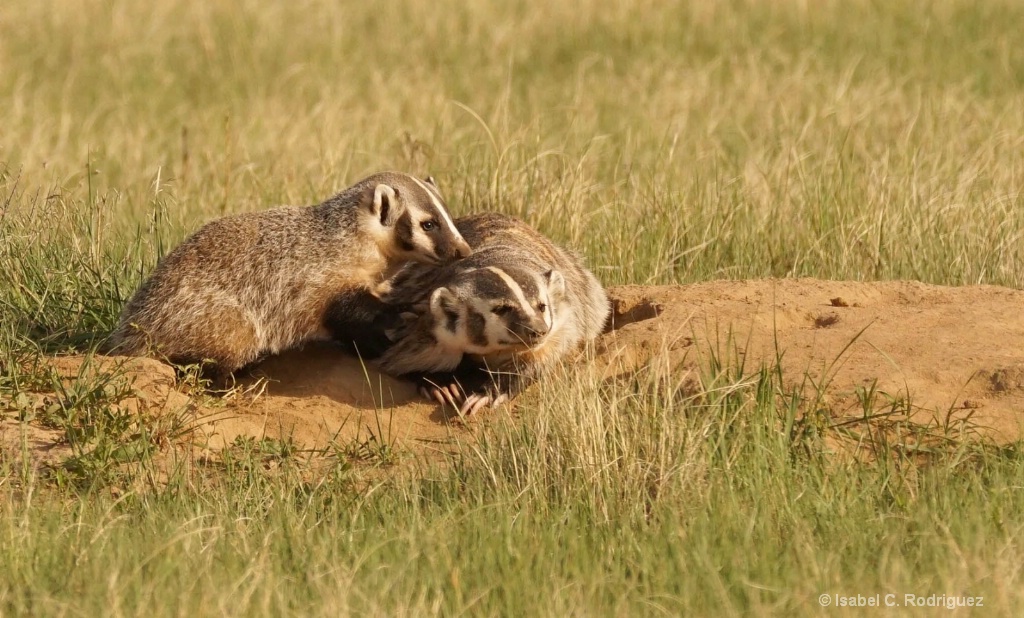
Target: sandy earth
(954, 353)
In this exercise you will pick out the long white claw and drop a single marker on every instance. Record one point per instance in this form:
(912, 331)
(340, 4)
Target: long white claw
(444, 395)
(475, 403)
(500, 399)
(467, 404)
(485, 402)
(454, 394)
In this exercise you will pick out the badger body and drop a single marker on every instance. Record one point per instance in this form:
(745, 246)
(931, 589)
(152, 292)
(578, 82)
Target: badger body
(248, 285)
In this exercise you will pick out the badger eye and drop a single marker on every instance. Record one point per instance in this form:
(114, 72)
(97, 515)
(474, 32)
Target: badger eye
(428, 225)
(502, 310)
(542, 307)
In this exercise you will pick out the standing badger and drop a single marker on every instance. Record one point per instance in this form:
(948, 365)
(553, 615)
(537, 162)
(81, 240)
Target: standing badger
(478, 331)
(253, 284)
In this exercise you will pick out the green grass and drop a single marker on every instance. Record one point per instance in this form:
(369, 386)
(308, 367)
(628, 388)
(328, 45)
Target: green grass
(667, 141)
(634, 499)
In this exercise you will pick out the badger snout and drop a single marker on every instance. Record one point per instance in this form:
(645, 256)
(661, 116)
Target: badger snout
(462, 249)
(530, 332)
(451, 250)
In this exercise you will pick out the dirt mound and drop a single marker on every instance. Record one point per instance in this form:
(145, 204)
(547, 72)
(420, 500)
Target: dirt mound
(320, 396)
(939, 353)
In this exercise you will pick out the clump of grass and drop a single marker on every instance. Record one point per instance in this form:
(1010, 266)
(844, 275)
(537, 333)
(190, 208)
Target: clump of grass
(100, 417)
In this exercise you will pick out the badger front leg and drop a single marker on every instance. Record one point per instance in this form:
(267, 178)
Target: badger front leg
(359, 321)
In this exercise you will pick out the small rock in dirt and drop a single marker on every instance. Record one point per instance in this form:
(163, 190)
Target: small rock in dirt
(839, 301)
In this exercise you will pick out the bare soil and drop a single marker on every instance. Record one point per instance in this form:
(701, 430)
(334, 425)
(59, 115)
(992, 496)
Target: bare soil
(948, 354)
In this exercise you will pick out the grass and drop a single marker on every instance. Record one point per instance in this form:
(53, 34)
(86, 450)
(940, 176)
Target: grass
(670, 142)
(637, 498)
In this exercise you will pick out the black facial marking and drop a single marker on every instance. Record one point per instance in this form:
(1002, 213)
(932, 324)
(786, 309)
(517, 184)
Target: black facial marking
(519, 322)
(443, 246)
(475, 325)
(403, 232)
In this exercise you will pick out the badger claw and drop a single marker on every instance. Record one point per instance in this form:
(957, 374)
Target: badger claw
(473, 403)
(466, 403)
(432, 393)
(454, 394)
(444, 394)
(476, 402)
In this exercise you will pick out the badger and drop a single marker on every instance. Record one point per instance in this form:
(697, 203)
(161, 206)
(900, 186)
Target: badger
(476, 332)
(253, 284)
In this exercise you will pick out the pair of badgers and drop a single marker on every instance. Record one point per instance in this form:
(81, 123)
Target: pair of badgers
(475, 308)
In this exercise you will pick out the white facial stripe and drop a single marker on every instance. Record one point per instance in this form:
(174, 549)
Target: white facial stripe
(479, 306)
(548, 312)
(512, 285)
(439, 206)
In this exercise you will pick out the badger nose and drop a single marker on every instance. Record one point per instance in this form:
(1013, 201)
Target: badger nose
(534, 332)
(462, 249)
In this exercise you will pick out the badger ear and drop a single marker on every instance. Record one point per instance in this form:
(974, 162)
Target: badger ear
(442, 301)
(430, 181)
(386, 205)
(556, 284)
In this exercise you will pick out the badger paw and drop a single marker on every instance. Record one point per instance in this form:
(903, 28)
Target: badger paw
(468, 393)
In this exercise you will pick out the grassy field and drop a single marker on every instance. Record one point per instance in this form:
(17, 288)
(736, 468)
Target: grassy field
(668, 142)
